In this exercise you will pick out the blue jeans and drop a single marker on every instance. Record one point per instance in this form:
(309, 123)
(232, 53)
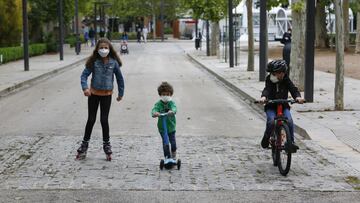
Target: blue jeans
(172, 141)
(270, 115)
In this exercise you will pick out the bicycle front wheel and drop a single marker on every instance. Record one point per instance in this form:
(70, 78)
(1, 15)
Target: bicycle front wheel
(274, 151)
(283, 156)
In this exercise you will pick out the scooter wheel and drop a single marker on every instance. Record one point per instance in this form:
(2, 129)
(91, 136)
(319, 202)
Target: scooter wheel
(161, 164)
(178, 164)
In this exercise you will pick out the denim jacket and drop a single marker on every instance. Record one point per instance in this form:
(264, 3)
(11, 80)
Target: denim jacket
(103, 76)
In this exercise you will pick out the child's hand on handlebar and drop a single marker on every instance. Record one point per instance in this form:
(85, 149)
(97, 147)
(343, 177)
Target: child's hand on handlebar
(156, 114)
(170, 112)
(300, 100)
(262, 100)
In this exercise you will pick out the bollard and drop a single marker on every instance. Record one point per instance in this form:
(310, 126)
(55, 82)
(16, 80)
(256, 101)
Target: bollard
(1, 58)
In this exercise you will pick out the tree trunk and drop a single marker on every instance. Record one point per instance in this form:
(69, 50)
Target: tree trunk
(250, 66)
(357, 48)
(339, 81)
(297, 61)
(214, 45)
(154, 27)
(346, 24)
(321, 37)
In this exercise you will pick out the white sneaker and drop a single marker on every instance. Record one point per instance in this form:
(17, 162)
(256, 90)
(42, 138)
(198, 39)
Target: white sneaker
(173, 155)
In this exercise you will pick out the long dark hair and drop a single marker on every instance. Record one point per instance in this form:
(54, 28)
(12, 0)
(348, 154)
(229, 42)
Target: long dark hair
(95, 55)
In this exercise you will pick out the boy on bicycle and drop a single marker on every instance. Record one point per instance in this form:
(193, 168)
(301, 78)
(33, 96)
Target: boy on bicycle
(277, 86)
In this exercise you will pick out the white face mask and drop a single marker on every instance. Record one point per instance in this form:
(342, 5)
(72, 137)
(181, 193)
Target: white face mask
(273, 78)
(103, 52)
(165, 98)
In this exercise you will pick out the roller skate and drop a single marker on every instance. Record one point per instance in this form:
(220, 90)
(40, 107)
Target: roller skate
(82, 150)
(107, 150)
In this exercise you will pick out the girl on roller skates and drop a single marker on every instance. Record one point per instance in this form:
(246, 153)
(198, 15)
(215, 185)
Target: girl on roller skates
(102, 65)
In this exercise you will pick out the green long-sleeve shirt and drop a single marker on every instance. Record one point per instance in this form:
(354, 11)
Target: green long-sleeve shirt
(162, 107)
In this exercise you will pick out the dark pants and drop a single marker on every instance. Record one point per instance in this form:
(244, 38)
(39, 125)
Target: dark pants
(172, 141)
(287, 55)
(93, 104)
(270, 115)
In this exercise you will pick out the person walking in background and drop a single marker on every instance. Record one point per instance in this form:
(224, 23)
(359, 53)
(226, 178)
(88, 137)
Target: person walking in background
(138, 33)
(125, 36)
(286, 40)
(86, 38)
(102, 33)
(145, 32)
(286, 37)
(92, 36)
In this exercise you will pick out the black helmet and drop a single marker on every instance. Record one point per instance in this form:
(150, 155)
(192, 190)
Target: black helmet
(276, 66)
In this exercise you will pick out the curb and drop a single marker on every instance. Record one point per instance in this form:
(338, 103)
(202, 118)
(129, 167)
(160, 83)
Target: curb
(7, 91)
(299, 130)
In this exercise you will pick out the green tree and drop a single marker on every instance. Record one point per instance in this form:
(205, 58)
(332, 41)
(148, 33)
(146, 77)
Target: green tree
(213, 10)
(11, 23)
(321, 36)
(346, 7)
(339, 81)
(355, 6)
(297, 61)
(249, 7)
(44, 13)
(133, 9)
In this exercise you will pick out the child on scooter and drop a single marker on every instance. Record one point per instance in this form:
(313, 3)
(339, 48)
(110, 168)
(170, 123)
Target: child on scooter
(166, 105)
(277, 86)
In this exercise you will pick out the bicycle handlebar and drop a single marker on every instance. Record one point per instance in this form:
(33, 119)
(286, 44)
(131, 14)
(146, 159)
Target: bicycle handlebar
(278, 101)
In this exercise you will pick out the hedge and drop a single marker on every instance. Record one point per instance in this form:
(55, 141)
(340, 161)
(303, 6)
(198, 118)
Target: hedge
(15, 53)
(131, 36)
(71, 39)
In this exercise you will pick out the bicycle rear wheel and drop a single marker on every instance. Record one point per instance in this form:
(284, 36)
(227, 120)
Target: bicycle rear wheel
(283, 156)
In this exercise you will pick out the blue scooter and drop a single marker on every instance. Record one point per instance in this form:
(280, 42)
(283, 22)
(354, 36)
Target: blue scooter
(168, 162)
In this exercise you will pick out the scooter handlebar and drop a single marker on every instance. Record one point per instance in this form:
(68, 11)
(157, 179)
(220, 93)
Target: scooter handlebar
(166, 114)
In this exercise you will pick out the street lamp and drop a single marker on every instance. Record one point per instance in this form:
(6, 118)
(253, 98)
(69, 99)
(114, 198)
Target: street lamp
(78, 43)
(231, 34)
(207, 35)
(309, 51)
(263, 42)
(207, 39)
(102, 5)
(61, 29)
(162, 20)
(25, 35)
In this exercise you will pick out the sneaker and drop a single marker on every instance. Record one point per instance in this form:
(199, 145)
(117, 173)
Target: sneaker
(173, 155)
(293, 148)
(265, 141)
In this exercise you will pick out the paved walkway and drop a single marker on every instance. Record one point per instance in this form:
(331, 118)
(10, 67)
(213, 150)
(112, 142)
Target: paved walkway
(13, 76)
(336, 131)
